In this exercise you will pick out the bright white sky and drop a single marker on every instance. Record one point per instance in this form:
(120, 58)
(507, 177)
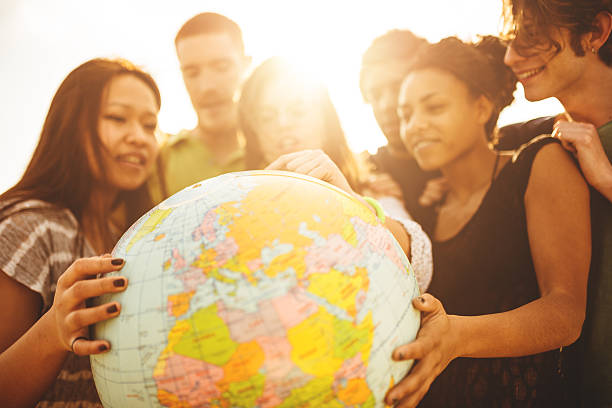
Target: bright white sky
(44, 40)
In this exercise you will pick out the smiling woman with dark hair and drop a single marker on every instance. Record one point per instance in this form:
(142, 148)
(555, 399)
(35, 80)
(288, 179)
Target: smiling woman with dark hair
(511, 262)
(94, 154)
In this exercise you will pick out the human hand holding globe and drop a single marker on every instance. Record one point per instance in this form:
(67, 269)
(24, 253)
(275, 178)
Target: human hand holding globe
(434, 348)
(68, 315)
(267, 289)
(314, 163)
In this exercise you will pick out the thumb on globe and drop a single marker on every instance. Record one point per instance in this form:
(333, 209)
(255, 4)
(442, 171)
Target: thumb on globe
(426, 303)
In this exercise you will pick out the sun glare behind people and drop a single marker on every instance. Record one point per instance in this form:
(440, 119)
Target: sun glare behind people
(327, 38)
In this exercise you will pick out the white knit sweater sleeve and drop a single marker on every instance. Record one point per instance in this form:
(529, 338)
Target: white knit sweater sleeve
(420, 245)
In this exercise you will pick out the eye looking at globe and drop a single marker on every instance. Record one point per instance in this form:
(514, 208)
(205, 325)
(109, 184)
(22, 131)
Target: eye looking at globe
(304, 282)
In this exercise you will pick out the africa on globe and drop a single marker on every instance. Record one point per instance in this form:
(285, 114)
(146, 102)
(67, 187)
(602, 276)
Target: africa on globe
(257, 289)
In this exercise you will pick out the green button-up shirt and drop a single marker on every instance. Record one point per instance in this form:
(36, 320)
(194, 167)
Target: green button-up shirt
(184, 159)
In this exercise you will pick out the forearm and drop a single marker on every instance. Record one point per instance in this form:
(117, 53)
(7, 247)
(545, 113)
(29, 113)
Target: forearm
(545, 324)
(30, 365)
(604, 186)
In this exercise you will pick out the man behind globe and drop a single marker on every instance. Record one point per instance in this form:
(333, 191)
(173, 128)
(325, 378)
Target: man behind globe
(211, 54)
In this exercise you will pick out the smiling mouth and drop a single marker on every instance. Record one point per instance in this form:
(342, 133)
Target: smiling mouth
(132, 159)
(528, 74)
(421, 144)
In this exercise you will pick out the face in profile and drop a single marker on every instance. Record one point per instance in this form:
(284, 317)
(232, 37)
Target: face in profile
(288, 119)
(126, 128)
(543, 71)
(213, 67)
(440, 119)
(381, 84)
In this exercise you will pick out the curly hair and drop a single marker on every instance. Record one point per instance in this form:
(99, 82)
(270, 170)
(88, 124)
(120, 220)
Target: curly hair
(531, 23)
(479, 65)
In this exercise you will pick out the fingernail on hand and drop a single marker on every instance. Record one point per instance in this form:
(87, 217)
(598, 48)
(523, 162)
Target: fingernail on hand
(102, 347)
(117, 261)
(111, 309)
(119, 283)
(421, 299)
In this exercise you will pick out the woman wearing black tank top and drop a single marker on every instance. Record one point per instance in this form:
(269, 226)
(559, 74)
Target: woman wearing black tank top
(511, 244)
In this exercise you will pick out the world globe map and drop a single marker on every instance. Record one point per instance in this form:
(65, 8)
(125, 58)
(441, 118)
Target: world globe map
(257, 289)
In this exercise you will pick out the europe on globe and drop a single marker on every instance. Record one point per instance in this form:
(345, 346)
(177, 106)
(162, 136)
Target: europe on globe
(257, 289)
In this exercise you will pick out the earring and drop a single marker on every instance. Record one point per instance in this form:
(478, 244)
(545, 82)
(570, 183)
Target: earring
(593, 50)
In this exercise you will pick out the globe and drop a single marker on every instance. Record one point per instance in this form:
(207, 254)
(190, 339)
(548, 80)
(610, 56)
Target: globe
(257, 289)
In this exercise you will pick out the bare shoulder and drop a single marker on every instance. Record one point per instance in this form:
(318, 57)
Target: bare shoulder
(555, 173)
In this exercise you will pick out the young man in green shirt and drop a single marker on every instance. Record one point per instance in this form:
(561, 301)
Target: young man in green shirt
(210, 51)
(562, 48)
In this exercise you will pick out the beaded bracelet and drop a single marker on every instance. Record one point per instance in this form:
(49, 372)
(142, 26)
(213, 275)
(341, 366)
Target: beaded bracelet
(380, 213)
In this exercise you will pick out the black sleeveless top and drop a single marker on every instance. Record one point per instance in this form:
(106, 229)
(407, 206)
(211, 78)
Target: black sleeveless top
(487, 268)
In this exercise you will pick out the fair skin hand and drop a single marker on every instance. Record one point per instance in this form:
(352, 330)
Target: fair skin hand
(41, 344)
(317, 164)
(557, 208)
(583, 141)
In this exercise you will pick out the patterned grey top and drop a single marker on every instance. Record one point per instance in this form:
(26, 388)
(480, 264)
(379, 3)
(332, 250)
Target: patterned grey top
(38, 242)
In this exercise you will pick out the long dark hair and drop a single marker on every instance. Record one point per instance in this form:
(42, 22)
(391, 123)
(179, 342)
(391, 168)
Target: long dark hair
(480, 66)
(335, 145)
(59, 171)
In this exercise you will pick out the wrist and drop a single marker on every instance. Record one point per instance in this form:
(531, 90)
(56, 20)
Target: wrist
(50, 332)
(457, 335)
(604, 186)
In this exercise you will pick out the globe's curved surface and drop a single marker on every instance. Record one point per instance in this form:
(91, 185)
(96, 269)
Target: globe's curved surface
(257, 289)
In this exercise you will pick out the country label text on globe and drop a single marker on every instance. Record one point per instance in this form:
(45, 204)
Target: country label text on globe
(257, 289)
